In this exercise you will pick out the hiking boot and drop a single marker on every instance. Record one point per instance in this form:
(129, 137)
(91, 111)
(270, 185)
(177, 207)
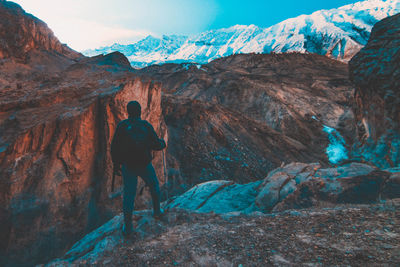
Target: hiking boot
(127, 229)
(159, 215)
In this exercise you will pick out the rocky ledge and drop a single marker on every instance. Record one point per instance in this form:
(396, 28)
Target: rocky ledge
(299, 213)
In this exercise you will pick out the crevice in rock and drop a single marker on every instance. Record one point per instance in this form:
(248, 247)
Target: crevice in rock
(213, 193)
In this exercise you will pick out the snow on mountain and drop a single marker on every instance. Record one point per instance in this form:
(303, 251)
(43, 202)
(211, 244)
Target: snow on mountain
(337, 33)
(148, 51)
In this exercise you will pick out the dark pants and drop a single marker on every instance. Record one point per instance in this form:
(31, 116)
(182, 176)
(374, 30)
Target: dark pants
(130, 183)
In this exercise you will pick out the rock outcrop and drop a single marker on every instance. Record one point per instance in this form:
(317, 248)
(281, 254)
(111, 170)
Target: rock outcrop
(55, 162)
(282, 91)
(209, 141)
(58, 113)
(240, 117)
(220, 222)
(375, 71)
(22, 32)
(347, 234)
(294, 186)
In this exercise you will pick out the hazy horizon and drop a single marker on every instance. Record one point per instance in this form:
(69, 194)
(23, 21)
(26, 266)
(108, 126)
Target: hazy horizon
(92, 24)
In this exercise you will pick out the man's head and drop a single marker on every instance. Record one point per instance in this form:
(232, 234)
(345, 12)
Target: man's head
(134, 109)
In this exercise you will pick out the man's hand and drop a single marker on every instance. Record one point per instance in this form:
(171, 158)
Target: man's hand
(117, 169)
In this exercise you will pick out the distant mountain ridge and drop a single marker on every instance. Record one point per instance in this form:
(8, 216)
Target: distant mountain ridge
(337, 33)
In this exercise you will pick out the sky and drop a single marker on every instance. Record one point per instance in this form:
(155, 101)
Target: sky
(88, 24)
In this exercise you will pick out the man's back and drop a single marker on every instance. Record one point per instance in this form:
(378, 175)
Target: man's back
(131, 148)
(133, 141)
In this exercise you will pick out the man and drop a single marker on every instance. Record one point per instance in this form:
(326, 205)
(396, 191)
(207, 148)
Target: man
(131, 147)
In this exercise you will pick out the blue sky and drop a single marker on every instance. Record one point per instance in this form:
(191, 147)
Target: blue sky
(84, 24)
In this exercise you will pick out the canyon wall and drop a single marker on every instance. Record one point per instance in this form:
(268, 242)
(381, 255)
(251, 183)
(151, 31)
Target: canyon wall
(55, 162)
(375, 71)
(58, 113)
(22, 32)
(241, 116)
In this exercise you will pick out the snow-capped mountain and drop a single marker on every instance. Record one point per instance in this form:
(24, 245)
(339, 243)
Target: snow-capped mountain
(337, 33)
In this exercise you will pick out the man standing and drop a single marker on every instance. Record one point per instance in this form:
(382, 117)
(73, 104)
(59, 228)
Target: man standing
(131, 147)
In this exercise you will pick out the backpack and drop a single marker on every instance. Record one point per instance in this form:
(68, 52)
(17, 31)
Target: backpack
(136, 144)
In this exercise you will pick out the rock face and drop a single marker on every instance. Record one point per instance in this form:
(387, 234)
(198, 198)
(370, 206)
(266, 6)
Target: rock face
(293, 186)
(375, 71)
(57, 117)
(281, 91)
(21, 32)
(240, 117)
(209, 142)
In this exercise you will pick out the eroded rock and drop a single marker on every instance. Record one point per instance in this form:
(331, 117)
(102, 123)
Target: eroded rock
(375, 71)
(58, 113)
(294, 186)
(244, 108)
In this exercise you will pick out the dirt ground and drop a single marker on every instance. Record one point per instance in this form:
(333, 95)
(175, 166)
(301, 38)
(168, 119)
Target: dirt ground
(348, 235)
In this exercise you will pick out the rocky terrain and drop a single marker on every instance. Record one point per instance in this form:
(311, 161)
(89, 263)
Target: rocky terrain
(376, 73)
(299, 214)
(239, 117)
(22, 33)
(283, 91)
(257, 144)
(345, 235)
(58, 111)
(208, 142)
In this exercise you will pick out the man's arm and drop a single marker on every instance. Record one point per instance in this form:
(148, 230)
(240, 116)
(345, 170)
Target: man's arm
(155, 142)
(116, 146)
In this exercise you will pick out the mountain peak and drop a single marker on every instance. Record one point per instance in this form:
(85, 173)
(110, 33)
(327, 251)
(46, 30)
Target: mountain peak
(338, 33)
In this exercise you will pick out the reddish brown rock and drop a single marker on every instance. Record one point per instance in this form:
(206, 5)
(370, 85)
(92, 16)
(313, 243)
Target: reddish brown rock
(209, 141)
(22, 32)
(55, 162)
(282, 91)
(232, 118)
(57, 117)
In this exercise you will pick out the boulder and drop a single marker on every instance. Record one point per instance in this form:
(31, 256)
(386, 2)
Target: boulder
(392, 186)
(282, 182)
(350, 183)
(217, 196)
(293, 186)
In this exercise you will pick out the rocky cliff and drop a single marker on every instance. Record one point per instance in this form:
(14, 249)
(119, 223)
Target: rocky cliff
(241, 116)
(22, 32)
(58, 113)
(209, 141)
(375, 71)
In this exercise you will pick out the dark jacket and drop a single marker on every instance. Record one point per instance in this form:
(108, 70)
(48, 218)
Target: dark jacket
(118, 150)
